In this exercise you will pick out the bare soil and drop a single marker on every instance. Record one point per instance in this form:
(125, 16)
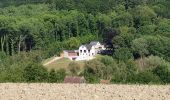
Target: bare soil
(10, 91)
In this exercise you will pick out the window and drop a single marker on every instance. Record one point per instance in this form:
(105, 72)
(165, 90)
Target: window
(84, 51)
(80, 51)
(89, 51)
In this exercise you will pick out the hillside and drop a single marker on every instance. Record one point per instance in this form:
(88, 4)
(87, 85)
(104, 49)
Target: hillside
(83, 91)
(136, 34)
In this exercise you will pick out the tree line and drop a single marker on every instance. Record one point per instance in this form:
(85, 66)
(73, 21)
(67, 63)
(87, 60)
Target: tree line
(139, 32)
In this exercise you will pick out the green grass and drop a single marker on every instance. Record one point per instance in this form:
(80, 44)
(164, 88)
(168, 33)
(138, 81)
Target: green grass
(63, 63)
(47, 60)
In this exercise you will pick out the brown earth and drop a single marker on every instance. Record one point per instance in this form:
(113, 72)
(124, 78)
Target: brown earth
(9, 91)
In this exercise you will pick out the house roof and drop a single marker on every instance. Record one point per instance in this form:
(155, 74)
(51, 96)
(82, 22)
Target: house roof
(88, 46)
(94, 43)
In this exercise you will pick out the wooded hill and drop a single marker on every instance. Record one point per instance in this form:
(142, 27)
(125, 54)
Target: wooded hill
(139, 31)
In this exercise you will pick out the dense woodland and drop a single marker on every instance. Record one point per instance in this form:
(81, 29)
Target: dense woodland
(137, 30)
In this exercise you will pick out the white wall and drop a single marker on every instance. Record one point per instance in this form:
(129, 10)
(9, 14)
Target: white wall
(92, 51)
(65, 54)
(84, 53)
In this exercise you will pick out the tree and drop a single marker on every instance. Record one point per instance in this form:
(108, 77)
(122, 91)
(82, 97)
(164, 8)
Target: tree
(163, 28)
(35, 73)
(123, 54)
(143, 15)
(73, 43)
(163, 71)
(124, 38)
(140, 46)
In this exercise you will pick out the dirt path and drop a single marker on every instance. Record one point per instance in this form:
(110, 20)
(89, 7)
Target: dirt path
(51, 61)
(83, 92)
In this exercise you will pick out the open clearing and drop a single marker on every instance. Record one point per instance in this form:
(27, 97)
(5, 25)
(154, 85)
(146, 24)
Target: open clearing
(62, 63)
(83, 92)
(59, 62)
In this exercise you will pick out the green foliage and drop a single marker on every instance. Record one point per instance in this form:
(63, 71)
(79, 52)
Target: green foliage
(33, 30)
(73, 43)
(147, 77)
(150, 63)
(56, 76)
(164, 28)
(125, 37)
(143, 15)
(74, 68)
(52, 76)
(163, 71)
(140, 47)
(123, 54)
(35, 73)
(2, 55)
(61, 73)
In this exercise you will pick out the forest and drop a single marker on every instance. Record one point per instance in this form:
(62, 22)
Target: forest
(137, 31)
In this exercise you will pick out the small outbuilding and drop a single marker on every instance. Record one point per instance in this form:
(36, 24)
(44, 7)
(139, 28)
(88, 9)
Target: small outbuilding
(74, 79)
(71, 54)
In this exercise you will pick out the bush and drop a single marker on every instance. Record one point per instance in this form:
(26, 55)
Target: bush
(35, 73)
(57, 76)
(125, 72)
(93, 70)
(147, 77)
(150, 63)
(60, 74)
(52, 76)
(74, 68)
(163, 71)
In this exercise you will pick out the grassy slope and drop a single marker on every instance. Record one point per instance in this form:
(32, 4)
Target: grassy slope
(62, 63)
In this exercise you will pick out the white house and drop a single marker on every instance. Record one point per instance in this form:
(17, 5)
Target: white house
(88, 51)
(85, 52)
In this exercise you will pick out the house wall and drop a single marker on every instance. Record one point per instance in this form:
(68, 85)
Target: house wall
(84, 53)
(98, 48)
(66, 54)
(92, 51)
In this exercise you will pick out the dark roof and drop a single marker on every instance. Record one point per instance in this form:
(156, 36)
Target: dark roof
(74, 79)
(94, 42)
(88, 46)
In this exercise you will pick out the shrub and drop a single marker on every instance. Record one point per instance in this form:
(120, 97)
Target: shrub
(74, 68)
(52, 76)
(146, 77)
(93, 70)
(150, 63)
(163, 71)
(35, 73)
(60, 75)
(57, 76)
